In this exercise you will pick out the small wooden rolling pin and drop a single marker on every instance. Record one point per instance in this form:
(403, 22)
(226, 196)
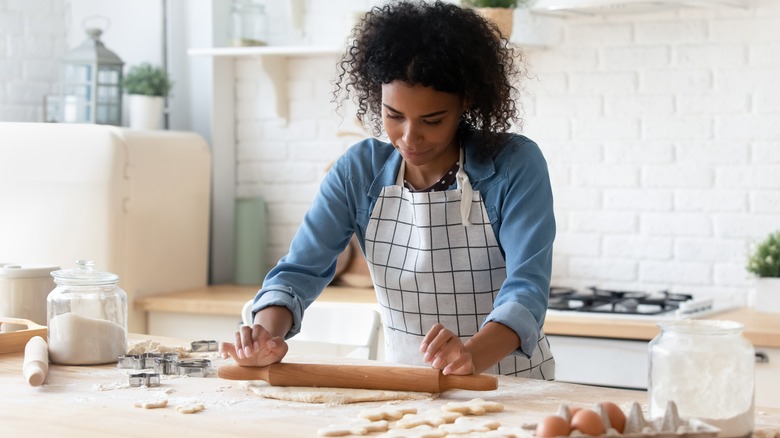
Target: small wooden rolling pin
(419, 379)
(36, 361)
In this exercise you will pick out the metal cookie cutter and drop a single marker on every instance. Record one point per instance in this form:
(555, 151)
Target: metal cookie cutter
(130, 361)
(145, 379)
(143, 361)
(194, 367)
(167, 364)
(200, 346)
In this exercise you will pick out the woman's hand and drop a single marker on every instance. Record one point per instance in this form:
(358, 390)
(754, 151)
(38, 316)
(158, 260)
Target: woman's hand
(443, 350)
(263, 342)
(255, 346)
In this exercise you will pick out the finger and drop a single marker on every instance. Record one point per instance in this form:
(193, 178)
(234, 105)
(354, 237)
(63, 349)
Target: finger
(247, 340)
(462, 365)
(237, 346)
(437, 344)
(229, 349)
(432, 333)
(225, 348)
(257, 333)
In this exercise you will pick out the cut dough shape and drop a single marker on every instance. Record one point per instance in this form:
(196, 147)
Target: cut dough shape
(389, 413)
(510, 432)
(152, 404)
(423, 431)
(431, 418)
(475, 406)
(190, 408)
(331, 396)
(469, 425)
(498, 433)
(357, 427)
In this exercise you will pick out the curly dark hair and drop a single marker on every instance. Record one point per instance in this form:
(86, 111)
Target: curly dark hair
(439, 45)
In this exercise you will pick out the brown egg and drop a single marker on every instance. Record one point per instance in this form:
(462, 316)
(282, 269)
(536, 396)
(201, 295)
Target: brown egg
(616, 416)
(588, 422)
(552, 426)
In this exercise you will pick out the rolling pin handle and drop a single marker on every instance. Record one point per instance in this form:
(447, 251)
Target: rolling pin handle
(36, 361)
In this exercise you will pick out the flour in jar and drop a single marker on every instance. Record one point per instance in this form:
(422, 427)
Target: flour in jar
(78, 340)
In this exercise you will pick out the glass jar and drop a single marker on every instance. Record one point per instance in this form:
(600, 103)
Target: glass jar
(87, 316)
(249, 26)
(707, 368)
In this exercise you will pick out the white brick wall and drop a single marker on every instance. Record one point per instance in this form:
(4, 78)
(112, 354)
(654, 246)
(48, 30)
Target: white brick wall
(661, 130)
(32, 38)
(662, 133)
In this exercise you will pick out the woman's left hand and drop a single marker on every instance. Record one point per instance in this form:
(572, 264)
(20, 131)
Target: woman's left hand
(443, 350)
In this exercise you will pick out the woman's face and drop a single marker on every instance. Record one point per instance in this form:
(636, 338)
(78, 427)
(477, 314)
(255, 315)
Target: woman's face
(421, 122)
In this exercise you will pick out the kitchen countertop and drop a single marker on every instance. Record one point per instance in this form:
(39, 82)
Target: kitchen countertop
(96, 401)
(762, 329)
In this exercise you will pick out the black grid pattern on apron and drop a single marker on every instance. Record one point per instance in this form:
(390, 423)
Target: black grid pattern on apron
(414, 248)
(540, 366)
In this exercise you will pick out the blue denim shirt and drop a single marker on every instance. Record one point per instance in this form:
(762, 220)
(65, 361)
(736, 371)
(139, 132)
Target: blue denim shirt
(515, 187)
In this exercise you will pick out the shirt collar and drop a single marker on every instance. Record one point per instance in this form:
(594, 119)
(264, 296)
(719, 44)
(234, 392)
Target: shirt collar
(476, 170)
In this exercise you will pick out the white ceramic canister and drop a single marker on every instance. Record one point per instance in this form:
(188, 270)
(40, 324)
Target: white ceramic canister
(87, 316)
(23, 292)
(707, 368)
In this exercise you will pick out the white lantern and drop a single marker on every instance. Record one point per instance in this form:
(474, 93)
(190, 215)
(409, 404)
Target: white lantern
(92, 83)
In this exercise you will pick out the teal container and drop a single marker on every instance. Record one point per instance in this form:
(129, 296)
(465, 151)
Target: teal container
(251, 241)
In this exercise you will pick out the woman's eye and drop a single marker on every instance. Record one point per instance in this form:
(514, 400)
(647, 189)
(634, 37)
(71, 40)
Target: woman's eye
(393, 116)
(432, 122)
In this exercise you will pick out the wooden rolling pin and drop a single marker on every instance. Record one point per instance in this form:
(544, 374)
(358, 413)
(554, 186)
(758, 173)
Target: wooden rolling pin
(359, 376)
(36, 361)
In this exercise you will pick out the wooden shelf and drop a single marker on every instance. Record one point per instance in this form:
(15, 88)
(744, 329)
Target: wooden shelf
(272, 60)
(282, 51)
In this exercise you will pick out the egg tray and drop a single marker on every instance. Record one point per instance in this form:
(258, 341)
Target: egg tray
(670, 425)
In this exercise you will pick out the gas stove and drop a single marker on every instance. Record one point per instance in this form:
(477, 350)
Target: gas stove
(655, 305)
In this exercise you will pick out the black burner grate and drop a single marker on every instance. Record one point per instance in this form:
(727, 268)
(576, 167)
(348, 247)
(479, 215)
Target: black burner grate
(598, 300)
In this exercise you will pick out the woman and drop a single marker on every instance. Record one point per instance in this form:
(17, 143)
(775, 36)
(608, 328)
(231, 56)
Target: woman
(454, 214)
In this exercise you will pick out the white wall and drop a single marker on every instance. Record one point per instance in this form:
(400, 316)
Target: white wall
(661, 131)
(32, 37)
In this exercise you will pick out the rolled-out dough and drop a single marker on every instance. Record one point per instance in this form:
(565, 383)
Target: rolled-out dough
(190, 408)
(332, 396)
(151, 404)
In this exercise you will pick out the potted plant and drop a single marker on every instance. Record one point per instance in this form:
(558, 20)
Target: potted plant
(500, 12)
(147, 87)
(764, 263)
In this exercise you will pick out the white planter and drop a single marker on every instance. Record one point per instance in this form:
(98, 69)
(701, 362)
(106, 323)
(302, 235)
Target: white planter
(145, 112)
(502, 17)
(767, 295)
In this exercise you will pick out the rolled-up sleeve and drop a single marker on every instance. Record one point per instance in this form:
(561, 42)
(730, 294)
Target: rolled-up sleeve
(526, 230)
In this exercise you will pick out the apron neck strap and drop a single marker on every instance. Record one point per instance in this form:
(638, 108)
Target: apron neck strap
(467, 193)
(464, 185)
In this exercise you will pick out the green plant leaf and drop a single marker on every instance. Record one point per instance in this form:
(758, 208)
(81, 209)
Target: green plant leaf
(765, 259)
(147, 80)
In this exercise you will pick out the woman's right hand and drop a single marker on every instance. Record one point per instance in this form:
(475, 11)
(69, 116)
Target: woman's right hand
(255, 346)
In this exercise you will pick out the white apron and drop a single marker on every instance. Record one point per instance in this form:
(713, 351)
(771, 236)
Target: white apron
(435, 259)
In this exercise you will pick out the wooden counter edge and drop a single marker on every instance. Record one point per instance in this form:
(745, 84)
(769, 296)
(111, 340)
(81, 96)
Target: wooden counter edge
(227, 299)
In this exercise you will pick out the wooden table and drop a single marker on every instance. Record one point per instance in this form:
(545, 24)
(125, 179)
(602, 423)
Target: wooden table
(96, 401)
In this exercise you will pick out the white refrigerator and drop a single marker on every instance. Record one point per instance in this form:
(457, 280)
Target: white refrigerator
(135, 202)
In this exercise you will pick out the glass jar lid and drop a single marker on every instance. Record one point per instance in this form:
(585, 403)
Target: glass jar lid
(84, 275)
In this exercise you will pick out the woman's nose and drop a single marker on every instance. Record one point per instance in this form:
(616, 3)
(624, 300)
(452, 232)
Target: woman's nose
(411, 134)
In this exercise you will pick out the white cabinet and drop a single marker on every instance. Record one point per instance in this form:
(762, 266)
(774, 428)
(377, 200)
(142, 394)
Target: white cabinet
(617, 363)
(624, 364)
(768, 377)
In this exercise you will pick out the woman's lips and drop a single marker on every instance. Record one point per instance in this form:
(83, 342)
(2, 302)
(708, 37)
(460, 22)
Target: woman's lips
(413, 153)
